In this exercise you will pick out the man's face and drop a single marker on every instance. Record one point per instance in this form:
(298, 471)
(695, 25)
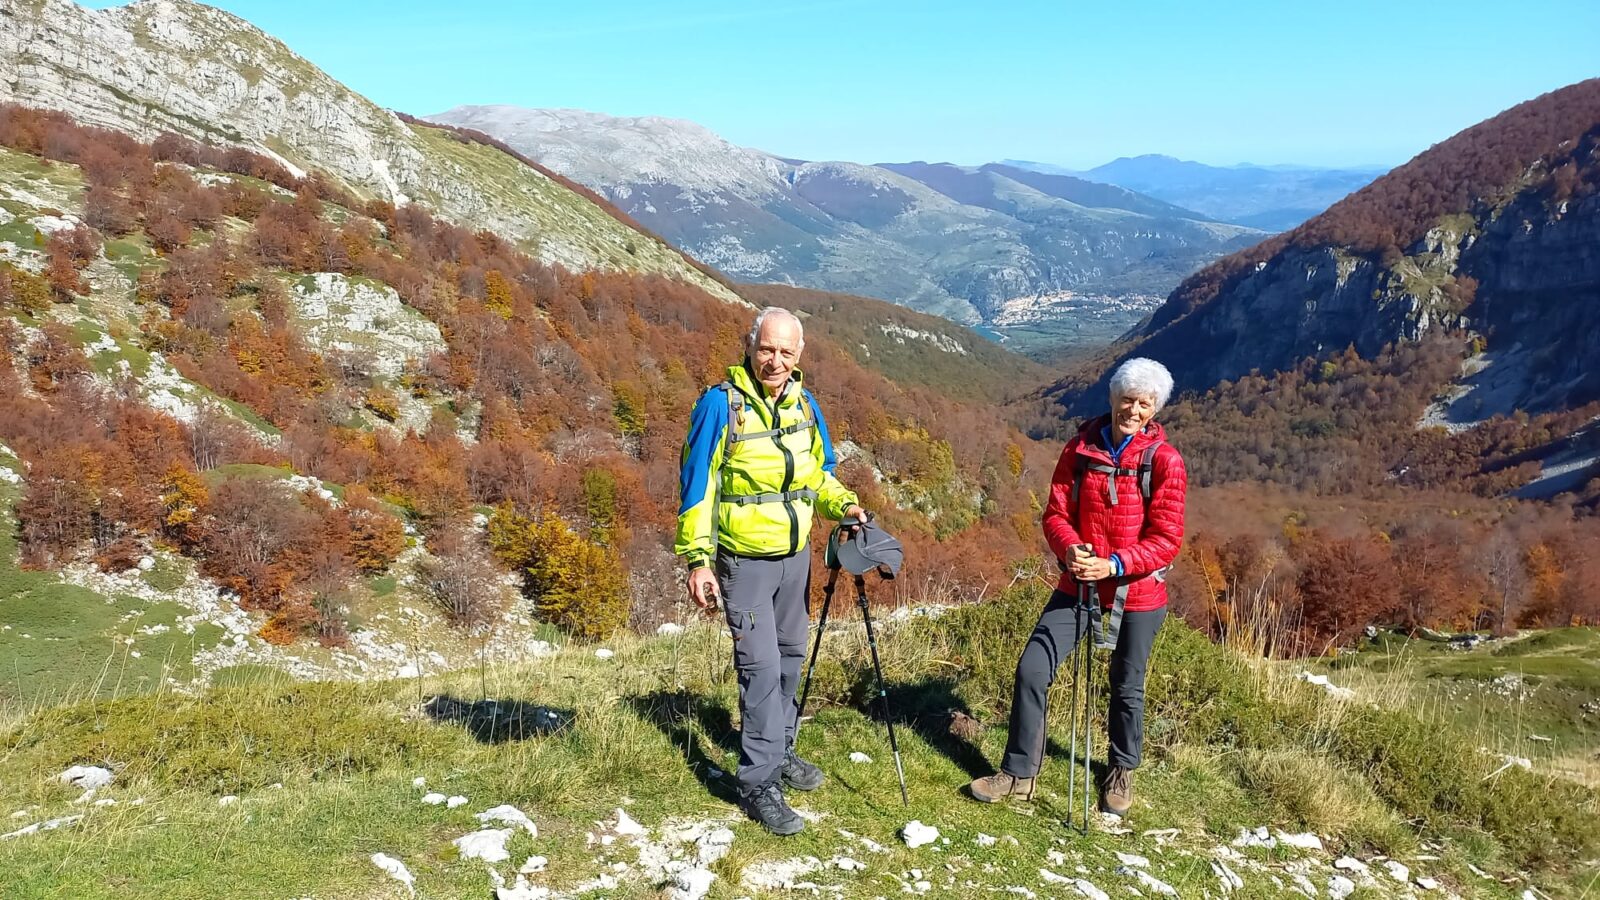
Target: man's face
(777, 352)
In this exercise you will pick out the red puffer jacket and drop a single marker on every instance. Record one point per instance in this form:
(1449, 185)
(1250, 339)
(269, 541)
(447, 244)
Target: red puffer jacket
(1145, 537)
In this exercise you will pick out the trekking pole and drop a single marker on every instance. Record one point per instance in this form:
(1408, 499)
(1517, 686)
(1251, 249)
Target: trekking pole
(883, 693)
(1072, 710)
(816, 648)
(1087, 644)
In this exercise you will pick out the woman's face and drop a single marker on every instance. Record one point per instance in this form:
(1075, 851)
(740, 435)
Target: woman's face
(1130, 413)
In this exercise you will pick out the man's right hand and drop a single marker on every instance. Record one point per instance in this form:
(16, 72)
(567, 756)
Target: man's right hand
(702, 584)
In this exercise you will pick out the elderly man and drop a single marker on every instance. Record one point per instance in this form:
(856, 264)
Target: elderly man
(756, 464)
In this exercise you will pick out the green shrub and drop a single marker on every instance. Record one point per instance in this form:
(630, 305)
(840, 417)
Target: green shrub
(574, 583)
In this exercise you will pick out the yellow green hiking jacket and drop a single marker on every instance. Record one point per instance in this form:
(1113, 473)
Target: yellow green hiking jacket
(753, 492)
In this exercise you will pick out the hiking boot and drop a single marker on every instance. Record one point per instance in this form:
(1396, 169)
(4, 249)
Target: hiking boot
(999, 786)
(799, 774)
(766, 805)
(1116, 792)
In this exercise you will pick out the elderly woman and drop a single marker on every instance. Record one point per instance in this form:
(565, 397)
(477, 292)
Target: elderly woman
(1115, 521)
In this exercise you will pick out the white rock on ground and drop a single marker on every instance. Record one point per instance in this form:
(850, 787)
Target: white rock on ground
(87, 777)
(1148, 881)
(778, 874)
(455, 801)
(1305, 841)
(419, 782)
(857, 756)
(228, 800)
(1255, 837)
(533, 865)
(626, 826)
(846, 864)
(395, 869)
(691, 884)
(1022, 892)
(1397, 870)
(916, 834)
(1340, 887)
(1322, 681)
(1349, 864)
(1088, 889)
(433, 798)
(1132, 859)
(506, 814)
(36, 827)
(1228, 878)
(1426, 883)
(669, 629)
(488, 845)
(986, 840)
(603, 653)
(1052, 878)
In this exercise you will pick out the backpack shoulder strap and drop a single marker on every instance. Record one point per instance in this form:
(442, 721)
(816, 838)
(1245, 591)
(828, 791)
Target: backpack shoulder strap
(1147, 465)
(735, 412)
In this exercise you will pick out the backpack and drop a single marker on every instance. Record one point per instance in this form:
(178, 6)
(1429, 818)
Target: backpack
(1147, 465)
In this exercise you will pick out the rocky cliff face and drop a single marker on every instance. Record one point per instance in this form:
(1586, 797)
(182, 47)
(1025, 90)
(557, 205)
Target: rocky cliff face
(1521, 272)
(1306, 302)
(173, 65)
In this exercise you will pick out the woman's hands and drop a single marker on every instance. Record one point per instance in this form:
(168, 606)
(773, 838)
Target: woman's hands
(1085, 566)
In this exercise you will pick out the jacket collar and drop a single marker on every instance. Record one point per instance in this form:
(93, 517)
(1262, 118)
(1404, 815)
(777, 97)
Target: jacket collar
(744, 378)
(1092, 445)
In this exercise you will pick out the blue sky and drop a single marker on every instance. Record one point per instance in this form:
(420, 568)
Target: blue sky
(1068, 82)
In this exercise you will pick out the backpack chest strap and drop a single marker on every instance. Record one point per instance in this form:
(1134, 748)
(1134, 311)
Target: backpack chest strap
(791, 428)
(1147, 464)
(805, 494)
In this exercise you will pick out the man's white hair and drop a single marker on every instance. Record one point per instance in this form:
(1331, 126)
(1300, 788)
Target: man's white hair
(1142, 377)
(761, 318)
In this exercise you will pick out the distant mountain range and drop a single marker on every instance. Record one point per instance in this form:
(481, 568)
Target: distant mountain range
(953, 240)
(1272, 198)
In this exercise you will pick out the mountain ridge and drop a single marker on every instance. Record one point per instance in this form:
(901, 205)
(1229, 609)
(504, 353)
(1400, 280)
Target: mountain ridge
(894, 231)
(173, 65)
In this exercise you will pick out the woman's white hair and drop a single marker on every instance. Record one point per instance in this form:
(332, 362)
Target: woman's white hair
(761, 318)
(1142, 377)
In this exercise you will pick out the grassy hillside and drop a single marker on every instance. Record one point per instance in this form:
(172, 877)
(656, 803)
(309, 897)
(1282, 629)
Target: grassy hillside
(324, 778)
(1532, 696)
(909, 348)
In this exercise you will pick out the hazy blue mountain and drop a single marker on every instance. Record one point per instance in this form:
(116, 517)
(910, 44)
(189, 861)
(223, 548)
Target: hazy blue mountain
(1272, 198)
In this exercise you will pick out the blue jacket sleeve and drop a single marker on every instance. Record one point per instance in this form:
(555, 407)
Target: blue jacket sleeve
(702, 457)
(828, 460)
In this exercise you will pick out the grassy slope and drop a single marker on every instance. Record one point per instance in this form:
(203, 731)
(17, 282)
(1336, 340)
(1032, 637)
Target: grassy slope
(1227, 746)
(1536, 696)
(855, 325)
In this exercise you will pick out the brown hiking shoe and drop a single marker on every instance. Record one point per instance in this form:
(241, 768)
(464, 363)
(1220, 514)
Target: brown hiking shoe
(999, 786)
(1116, 792)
